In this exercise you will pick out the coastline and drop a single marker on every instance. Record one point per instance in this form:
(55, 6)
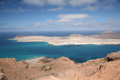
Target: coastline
(42, 60)
(36, 61)
(86, 40)
(61, 69)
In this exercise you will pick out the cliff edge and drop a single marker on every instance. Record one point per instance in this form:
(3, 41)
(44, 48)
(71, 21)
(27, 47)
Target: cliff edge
(63, 68)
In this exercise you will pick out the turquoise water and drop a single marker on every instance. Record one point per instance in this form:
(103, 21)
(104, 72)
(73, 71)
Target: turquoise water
(28, 50)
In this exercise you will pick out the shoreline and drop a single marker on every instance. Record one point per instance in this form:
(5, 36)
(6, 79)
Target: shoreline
(44, 60)
(66, 44)
(62, 69)
(73, 41)
(37, 60)
(106, 38)
(116, 42)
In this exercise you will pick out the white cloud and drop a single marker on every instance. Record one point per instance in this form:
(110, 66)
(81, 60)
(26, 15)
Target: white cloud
(50, 20)
(71, 17)
(40, 24)
(18, 10)
(81, 2)
(57, 2)
(76, 24)
(112, 18)
(56, 9)
(35, 2)
(45, 2)
(108, 7)
(21, 10)
(90, 8)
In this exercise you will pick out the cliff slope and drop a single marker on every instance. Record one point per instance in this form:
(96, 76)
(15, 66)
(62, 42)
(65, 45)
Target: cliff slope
(63, 68)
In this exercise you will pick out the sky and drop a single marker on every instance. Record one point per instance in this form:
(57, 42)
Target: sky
(59, 15)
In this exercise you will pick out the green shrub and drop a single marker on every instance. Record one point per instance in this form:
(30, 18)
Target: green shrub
(103, 59)
(43, 67)
(96, 63)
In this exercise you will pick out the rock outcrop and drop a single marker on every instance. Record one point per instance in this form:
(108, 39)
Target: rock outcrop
(113, 56)
(107, 35)
(1, 74)
(63, 68)
(76, 35)
(104, 35)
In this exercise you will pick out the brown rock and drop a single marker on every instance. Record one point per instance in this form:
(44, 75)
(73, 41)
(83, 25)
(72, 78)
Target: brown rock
(107, 35)
(113, 56)
(46, 60)
(76, 35)
(62, 69)
(1, 74)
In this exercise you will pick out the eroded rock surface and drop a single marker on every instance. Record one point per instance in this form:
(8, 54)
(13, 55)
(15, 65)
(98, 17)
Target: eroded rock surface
(62, 69)
(1, 74)
(113, 56)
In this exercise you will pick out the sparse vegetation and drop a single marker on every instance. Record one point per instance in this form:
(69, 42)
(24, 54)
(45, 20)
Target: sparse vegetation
(96, 63)
(43, 67)
(46, 68)
(103, 59)
(78, 67)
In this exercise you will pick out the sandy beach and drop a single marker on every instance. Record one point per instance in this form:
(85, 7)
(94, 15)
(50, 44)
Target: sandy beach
(105, 38)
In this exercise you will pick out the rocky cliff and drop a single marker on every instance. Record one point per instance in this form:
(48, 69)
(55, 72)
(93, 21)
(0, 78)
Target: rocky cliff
(63, 68)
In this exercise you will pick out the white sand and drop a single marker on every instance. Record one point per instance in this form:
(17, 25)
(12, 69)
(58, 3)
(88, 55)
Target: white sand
(67, 40)
(36, 61)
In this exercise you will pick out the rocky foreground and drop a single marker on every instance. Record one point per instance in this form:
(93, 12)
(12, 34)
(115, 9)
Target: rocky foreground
(107, 68)
(106, 37)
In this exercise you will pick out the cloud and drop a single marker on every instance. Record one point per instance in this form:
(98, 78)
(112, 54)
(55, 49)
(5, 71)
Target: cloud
(45, 2)
(19, 10)
(81, 2)
(111, 18)
(91, 26)
(35, 2)
(2, 24)
(91, 8)
(56, 9)
(50, 21)
(40, 24)
(90, 5)
(57, 2)
(108, 7)
(71, 17)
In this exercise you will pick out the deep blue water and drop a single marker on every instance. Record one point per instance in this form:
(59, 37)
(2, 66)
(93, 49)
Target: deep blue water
(28, 50)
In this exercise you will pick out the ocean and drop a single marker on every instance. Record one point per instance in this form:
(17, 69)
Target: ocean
(29, 50)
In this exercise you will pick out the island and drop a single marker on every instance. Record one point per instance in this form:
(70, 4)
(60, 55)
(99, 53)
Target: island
(107, 37)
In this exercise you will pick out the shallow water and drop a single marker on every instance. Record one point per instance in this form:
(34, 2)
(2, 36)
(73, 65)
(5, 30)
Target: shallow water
(28, 50)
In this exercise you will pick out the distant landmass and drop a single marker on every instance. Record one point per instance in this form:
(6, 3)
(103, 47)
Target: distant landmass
(107, 37)
(104, 35)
